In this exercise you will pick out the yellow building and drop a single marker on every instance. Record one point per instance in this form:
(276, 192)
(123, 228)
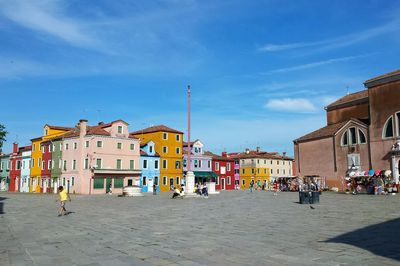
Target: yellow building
(253, 167)
(168, 144)
(36, 162)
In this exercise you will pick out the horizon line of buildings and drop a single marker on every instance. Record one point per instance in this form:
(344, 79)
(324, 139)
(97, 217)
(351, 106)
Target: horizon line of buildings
(95, 159)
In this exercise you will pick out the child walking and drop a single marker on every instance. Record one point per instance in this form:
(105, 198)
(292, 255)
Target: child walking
(63, 197)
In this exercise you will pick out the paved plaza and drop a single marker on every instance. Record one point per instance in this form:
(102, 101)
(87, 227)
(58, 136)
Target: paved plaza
(233, 228)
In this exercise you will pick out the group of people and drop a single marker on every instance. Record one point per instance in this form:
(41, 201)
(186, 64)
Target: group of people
(376, 184)
(201, 189)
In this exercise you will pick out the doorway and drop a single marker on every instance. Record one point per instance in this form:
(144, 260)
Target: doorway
(222, 183)
(108, 184)
(150, 185)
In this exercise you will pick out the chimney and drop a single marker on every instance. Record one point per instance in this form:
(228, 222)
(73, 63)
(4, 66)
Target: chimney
(258, 149)
(15, 147)
(82, 127)
(224, 154)
(284, 153)
(101, 123)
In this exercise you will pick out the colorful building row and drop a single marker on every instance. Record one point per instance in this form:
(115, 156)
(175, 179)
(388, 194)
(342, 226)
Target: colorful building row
(96, 159)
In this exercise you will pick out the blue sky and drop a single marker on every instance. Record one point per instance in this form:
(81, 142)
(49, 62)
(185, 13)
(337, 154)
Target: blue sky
(260, 71)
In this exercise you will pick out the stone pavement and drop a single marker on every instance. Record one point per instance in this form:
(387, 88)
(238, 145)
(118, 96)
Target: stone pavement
(233, 228)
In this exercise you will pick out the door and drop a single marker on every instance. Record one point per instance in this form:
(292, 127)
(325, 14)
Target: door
(44, 185)
(108, 184)
(68, 186)
(222, 183)
(150, 185)
(130, 182)
(55, 185)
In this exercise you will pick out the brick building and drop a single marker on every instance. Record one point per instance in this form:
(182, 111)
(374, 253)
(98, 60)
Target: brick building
(361, 132)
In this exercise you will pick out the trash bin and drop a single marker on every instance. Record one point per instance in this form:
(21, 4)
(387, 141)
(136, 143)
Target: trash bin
(303, 197)
(315, 197)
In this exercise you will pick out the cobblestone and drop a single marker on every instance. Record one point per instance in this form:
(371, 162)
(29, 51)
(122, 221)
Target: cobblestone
(233, 228)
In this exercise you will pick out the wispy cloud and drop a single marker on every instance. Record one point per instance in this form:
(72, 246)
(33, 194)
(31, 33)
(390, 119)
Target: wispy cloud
(48, 17)
(298, 105)
(337, 42)
(313, 64)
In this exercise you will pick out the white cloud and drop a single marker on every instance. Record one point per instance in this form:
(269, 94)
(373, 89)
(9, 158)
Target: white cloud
(47, 17)
(338, 42)
(297, 105)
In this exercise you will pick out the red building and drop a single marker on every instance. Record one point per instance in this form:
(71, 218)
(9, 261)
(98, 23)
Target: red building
(224, 168)
(47, 165)
(15, 168)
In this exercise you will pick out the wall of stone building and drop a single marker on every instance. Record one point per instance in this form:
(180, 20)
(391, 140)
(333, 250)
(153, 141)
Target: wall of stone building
(384, 102)
(316, 157)
(359, 111)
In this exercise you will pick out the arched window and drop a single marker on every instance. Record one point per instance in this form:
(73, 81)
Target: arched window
(388, 128)
(361, 137)
(353, 137)
(345, 139)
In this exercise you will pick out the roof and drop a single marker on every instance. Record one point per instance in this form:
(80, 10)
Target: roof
(259, 155)
(38, 138)
(185, 143)
(25, 148)
(382, 79)
(327, 131)
(218, 157)
(158, 128)
(357, 97)
(58, 127)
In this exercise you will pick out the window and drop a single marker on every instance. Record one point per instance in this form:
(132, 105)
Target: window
(177, 164)
(277, 162)
(63, 181)
(74, 165)
(353, 137)
(165, 149)
(361, 137)
(66, 146)
(165, 136)
(345, 139)
(49, 164)
(144, 164)
(119, 164)
(277, 171)
(178, 180)
(388, 128)
(156, 164)
(34, 147)
(151, 149)
(1, 165)
(243, 182)
(33, 162)
(164, 180)
(118, 183)
(59, 163)
(272, 171)
(119, 145)
(196, 163)
(86, 163)
(258, 170)
(156, 180)
(43, 164)
(216, 166)
(43, 149)
(398, 123)
(178, 150)
(49, 148)
(217, 181)
(98, 163)
(171, 181)
(200, 163)
(65, 165)
(99, 144)
(61, 146)
(209, 164)
(98, 183)
(284, 171)
(229, 180)
(39, 162)
(242, 171)
(228, 166)
(87, 144)
(72, 181)
(132, 146)
(164, 164)
(54, 147)
(18, 165)
(132, 164)
(252, 170)
(144, 180)
(75, 145)
(178, 137)
(120, 129)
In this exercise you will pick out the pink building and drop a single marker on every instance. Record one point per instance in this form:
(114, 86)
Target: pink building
(98, 158)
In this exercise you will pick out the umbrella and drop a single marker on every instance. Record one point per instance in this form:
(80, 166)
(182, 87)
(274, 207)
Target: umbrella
(371, 172)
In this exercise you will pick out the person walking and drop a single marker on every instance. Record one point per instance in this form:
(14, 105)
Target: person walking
(63, 197)
(251, 186)
(205, 190)
(276, 188)
(154, 189)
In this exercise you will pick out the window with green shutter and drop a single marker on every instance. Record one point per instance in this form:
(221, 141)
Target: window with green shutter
(132, 164)
(118, 163)
(118, 182)
(98, 183)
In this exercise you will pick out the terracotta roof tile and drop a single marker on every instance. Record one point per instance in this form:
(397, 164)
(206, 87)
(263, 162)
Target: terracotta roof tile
(326, 131)
(350, 98)
(218, 157)
(158, 128)
(387, 75)
(59, 127)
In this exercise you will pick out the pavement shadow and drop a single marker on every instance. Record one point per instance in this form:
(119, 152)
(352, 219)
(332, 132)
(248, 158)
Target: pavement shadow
(2, 204)
(381, 239)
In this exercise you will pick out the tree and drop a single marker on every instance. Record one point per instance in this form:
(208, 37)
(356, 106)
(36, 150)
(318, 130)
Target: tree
(3, 134)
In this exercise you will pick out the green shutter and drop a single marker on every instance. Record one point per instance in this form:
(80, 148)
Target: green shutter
(98, 183)
(118, 182)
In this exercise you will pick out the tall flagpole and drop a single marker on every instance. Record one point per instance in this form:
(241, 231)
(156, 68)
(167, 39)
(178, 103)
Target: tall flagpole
(189, 174)
(188, 150)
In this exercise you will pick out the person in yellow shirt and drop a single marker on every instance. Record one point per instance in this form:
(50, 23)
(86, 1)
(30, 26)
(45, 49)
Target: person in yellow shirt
(63, 197)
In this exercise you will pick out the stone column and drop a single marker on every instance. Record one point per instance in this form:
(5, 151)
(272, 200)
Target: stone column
(395, 169)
